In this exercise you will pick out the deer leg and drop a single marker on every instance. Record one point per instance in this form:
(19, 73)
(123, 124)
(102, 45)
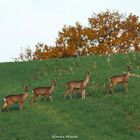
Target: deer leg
(109, 87)
(70, 96)
(66, 93)
(4, 106)
(71, 90)
(7, 105)
(80, 92)
(64, 97)
(107, 91)
(45, 99)
(21, 106)
(34, 98)
(126, 87)
(112, 88)
(83, 93)
(51, 98)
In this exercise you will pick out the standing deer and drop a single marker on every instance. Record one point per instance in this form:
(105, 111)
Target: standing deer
(17, 98)
(43, 91)
(82, 85)
(120, 79)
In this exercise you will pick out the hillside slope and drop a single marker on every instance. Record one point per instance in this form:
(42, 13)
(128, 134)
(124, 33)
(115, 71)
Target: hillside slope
(100, 117)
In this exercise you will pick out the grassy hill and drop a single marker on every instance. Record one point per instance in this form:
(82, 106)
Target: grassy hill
(99, 117)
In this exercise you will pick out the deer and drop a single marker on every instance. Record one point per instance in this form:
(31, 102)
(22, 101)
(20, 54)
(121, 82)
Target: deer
(120, 79)
(16, 98)
(78, 85)
(43, 91)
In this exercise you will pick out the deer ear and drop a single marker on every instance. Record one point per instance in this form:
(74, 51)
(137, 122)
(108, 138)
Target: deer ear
(53, 81)
(128, 67)
(87, 72)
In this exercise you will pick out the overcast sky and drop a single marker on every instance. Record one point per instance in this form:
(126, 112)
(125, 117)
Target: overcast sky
(26, 22)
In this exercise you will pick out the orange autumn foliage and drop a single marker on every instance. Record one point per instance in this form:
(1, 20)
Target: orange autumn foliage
(108, 32)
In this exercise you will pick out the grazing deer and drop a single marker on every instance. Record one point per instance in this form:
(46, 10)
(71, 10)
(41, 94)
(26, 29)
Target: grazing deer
(82, 85)
(120, 79)
(17, 98)
(43, 91)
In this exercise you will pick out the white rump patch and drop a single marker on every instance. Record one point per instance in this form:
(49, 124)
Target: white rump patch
(4, 99)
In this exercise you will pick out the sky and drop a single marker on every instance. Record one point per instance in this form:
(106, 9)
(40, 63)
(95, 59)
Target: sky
(26, 22)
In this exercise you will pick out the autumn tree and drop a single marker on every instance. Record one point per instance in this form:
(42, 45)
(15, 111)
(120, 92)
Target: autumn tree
(108, 32)
(114, 32)
(71, 40)
(42, 51)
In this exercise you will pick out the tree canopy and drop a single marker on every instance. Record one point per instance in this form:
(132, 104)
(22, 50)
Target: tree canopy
(107, 32)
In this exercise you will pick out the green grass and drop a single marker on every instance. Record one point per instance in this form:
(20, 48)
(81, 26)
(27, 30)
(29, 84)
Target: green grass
(99, 117)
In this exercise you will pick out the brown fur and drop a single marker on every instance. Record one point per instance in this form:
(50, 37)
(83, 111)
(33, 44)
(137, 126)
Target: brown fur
(43, 91)
(81, 85)
(17, 98)
(120, 79)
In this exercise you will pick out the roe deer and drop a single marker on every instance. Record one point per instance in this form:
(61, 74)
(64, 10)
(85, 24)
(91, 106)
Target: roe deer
(120, 79)
(82, 85)
(17, 98)
(43, 91)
